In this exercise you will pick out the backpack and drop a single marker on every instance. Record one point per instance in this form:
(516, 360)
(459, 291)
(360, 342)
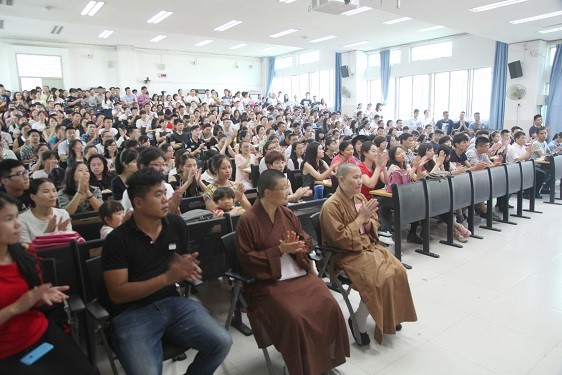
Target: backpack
(192, 216)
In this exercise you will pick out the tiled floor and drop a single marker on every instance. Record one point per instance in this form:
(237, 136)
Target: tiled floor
(492, 307)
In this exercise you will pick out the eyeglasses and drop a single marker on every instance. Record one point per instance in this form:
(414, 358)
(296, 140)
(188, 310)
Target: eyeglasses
(157, 165)
(19, 174)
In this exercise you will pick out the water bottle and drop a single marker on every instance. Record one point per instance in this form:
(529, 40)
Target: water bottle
(318, 192)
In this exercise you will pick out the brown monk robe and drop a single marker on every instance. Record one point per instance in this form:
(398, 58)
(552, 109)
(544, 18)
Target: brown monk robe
(375, 273)
(289, 306)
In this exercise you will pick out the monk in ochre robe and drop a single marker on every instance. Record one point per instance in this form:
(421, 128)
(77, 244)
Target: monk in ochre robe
(350, 222)
(288, 305)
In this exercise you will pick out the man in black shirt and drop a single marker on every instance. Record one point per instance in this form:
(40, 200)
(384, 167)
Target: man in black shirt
(142, 260)
(179, 138)
(15, 182)
(446, 124)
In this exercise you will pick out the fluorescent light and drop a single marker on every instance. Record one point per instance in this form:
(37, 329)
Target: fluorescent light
(238, 46)
(287, 1)
(535, 18)
(105, 34)
(158, 38)
(397, 20)
(282, 33)
(551, 30)
(500, 4)
(323, 39)
(355, 44)
(267, 49)
(431, 28)
(92, 8)
(356, 10)
(160, 16)
(228, 25)
(204, 43)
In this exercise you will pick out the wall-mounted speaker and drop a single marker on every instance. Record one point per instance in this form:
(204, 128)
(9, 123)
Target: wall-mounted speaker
(344, 71)
(515, 70)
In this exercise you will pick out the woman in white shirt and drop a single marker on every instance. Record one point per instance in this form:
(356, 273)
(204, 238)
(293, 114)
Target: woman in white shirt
(43, 217)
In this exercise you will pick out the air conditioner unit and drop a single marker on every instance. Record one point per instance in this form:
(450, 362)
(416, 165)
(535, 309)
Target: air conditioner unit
(334, 6)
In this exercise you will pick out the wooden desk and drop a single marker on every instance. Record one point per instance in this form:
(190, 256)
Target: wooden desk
(381, 193)
(544, 162)
(325, 183)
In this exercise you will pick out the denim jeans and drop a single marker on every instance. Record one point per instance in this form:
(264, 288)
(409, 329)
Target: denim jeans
(136, 335)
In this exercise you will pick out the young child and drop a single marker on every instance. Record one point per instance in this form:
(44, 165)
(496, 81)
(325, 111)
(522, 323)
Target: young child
(112, 214)
(224, 199)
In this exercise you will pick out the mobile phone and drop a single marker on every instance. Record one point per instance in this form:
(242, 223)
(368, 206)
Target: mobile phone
(37, 353)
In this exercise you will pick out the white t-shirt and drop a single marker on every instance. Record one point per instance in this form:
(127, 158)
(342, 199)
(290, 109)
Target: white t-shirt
(31, 226)
(126, 202)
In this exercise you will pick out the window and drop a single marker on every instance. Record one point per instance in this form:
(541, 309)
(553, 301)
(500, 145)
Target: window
(309, 57)
(482, 93)
(441, 93)
(420, 93)
(551, 53)
(283, 62)
(374, 59)
(405, 94)
(319, 83)
(458, 93)
(304, 84)
(44, 66)
(432, 51)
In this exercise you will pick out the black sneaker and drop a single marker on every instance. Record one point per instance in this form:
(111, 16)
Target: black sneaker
(414, 238)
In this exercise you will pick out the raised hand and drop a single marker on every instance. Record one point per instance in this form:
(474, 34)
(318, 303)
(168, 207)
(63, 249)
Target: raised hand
(367, 210)
(291, 244)
(42, 294)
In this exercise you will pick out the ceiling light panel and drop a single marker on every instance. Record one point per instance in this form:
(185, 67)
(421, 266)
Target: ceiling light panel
(160, 16)
(158, 38)
(397, 20)
(551, 30)
(536, 18)
(500, 4)
(283, 33)
(287, 1)
(356, 11)
(105, 34)
(57, 30)
(238, 46)
(432, 28)
(323, 39)
(355, 44)
(228, 25)
(92, 8)
(204, 43)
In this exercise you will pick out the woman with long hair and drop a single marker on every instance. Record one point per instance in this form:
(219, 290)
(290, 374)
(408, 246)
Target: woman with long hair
(125, 166)
(22, 325)
(188, 176)
(75, 151)
(314, 168)
(43, 217)
(110, 153)
(373, 168)
(77, 194)
(297, 154)
(345, 154)
(243, 162)
(221, 169)
(100, 175)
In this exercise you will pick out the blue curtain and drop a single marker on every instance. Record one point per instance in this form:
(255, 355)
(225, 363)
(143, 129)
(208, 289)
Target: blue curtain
(337, 96)
(499, 80)
(270, 74)
(554, 104)
(385, 73)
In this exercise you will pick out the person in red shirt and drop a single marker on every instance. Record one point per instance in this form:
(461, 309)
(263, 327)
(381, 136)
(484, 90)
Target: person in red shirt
(373, 168)
(22, 327)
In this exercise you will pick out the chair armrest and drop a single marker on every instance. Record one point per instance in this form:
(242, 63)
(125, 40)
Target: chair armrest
(315, 257)
(329, 249)
(97, 311)
(235, 275)
(75, 303)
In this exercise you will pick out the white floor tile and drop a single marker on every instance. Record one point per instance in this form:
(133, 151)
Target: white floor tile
(550, 365)
(487, 276)
(538, 290)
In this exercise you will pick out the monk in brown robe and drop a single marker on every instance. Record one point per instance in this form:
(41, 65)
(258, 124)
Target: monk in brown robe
(350, 222)
(288, 306)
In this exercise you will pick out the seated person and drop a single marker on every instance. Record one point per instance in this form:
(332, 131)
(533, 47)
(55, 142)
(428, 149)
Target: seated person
(22, 327)
(276, 160)
(48, 162)
(15, 182)
(77, 194)
(112, 215)
(188, 177)
(224, 200)
(289, 306)
(100, 175)
(221, 169)
(350, 222)
(142, 260)
(125, 166)
(43, 217)
(314, 168)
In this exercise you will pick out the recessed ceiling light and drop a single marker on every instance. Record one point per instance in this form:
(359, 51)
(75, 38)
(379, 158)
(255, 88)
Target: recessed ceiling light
(204, 43)
(397, 20)
(159, 17)
(287, 1)
(355, 44)
(500, 4)
(551, 30)
(228, 25)
(105, 34)
(535, 18)
(431, 28)
(238, 46)
(92, 8)
(267, 49)
(355, 11)
(323, 39)
(158, 38)
(282, 33)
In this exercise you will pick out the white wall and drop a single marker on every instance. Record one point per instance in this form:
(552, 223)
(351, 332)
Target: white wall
(533, 56)
(85, 66)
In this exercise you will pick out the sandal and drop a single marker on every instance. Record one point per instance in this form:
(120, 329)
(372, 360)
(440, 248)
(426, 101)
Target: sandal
(457, 235)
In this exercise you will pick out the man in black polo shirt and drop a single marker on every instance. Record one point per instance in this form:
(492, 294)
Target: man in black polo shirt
(142, 260)
(15, 182)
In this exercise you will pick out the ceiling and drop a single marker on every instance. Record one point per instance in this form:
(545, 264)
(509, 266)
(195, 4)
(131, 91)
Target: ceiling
(194, 21)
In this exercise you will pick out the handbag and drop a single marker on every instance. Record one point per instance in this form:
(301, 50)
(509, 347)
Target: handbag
(398, 177)
(56, 239)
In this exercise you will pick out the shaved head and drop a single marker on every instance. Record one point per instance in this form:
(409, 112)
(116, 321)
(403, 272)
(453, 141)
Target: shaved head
(345, 169)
